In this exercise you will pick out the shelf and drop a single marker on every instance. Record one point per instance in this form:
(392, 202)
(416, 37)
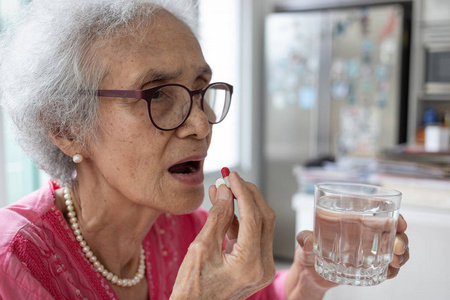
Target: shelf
(436, 97)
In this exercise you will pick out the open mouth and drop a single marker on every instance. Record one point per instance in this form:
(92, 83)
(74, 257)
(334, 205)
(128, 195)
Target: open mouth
(188, 167)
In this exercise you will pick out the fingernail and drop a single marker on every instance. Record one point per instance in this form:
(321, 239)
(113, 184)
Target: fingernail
(305, 239)
(399, 246)
(302, 238)
(223, 192)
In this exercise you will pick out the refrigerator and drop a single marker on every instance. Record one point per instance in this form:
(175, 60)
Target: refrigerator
(336, 85)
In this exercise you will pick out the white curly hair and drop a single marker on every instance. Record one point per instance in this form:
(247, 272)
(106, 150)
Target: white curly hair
(46, 61)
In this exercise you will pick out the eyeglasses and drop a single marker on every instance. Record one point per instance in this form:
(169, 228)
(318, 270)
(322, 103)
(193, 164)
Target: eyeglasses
(169, 105)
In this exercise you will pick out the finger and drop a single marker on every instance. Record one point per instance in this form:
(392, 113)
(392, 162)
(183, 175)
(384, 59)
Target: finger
(267, 232)
(219, 218)
(267, 213)
(399, 260)
(306, 254)
(405, 257)
(251, 218)
(305, 240)
(232, 232)
(230, 245)
(401, 225)
(258, 216)
(392, 272)
(400, 244)
(212, 193)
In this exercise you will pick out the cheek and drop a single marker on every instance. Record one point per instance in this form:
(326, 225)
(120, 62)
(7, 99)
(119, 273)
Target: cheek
(128, 143)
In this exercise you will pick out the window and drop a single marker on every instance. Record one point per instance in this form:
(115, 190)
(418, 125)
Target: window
(219, 38)
(18, 175)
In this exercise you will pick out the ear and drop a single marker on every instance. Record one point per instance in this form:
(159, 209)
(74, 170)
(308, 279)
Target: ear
(68, 146)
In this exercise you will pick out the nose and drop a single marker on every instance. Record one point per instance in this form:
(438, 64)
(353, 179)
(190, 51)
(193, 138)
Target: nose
(197, 123)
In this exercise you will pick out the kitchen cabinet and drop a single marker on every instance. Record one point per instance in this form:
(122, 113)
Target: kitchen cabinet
(429, 79)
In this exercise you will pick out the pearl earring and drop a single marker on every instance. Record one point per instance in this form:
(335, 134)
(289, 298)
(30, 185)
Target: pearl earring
(77, 158)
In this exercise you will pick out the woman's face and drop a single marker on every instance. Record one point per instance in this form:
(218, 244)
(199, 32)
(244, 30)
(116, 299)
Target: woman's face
(159, 169)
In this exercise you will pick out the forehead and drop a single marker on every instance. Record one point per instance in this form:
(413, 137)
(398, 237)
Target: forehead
(163, 45)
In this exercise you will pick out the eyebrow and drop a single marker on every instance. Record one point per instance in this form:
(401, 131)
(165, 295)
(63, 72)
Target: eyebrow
(158, 75)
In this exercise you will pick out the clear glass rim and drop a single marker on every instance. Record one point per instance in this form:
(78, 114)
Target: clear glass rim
(383, 191)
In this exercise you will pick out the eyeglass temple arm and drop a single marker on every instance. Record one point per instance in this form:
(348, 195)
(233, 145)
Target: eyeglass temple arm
(120, 93)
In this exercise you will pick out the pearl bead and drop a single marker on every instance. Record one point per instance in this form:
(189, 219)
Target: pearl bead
(90, 255)
(77, 158)
(114, 279)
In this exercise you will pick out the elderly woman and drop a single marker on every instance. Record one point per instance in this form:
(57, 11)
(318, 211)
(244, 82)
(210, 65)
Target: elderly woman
(114, 100)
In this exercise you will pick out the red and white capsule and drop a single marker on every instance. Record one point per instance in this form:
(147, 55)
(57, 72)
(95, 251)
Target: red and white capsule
(224, 179)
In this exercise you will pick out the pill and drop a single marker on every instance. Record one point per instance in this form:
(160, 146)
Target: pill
(220, 181)
(225, 173)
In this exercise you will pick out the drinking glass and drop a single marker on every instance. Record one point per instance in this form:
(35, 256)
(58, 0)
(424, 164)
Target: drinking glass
(354, 232)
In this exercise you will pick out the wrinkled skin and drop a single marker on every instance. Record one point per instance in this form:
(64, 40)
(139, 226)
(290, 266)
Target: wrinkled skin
(246, 265)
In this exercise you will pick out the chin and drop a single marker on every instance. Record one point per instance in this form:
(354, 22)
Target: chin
(188, 202)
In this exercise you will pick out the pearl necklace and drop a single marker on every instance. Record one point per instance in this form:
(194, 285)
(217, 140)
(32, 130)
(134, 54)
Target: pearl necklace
(111, 277)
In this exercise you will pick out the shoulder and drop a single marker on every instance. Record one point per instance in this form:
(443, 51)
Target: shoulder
(23, 214)
(19, 223)
(30, 207)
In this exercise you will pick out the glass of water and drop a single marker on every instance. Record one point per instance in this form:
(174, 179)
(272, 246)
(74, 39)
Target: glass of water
(354, 232)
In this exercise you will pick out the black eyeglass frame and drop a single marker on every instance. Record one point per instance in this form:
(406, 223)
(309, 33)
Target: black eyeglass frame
(148, 94)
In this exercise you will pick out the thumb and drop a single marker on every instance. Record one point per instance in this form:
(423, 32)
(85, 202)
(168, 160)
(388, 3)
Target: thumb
(219, 218)
(305, 241)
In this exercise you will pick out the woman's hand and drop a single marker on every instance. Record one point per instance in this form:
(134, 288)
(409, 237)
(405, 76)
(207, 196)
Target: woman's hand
(401, 249)
(304, 283)
(246, 266)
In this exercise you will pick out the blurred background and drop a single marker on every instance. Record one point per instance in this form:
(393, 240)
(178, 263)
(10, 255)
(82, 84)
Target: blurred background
(325, 90)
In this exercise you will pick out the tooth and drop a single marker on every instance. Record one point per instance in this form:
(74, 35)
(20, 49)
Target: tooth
(191, 169)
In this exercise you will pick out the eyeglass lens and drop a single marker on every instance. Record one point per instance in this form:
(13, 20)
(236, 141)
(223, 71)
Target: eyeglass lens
(170, 105)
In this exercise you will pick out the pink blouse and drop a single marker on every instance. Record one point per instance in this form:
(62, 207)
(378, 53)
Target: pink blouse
(40, 258)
